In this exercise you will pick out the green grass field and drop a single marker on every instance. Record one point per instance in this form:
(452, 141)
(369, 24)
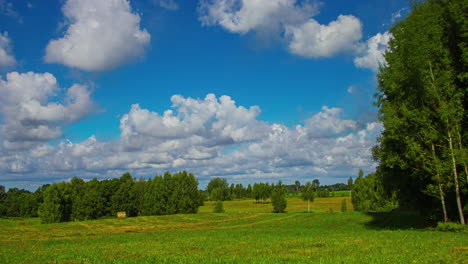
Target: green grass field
(246, 233)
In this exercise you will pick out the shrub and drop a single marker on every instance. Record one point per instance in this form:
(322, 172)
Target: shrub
(219, 207)
(451, 227)
(344, 208)
(278, 198)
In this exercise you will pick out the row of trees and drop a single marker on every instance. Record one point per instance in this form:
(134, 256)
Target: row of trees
(78, 200)
(19, 203)
(218, 189)
(422, 100)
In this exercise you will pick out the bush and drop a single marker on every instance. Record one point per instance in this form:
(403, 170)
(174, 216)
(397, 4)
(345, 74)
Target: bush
(451, 227)
(278, 198)
(219, 207)
(344, 207)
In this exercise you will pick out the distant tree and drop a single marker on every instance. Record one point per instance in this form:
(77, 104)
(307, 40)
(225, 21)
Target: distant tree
(278, 198)
(57, 205)
(139, 188)
(185, 197)
(308, 194)
(39, 193)
(239, 191)
(261, 191)
(316, 184)
(350, 183)
(221, 184)
(124, 197)
(3, 208)
(232, 189)
(155, 197)
(219, 207)
(297, 185)
(217, 194)
(248, 191)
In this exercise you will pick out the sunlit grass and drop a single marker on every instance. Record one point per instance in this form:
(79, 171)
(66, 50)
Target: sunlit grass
(246, 233)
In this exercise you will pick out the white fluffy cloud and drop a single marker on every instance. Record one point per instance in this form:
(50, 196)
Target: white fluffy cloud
(7, 59)
(374, 49)
(209, 137)
(210, 121)
(313, 40)
(31, 110)
(101, 35)
(304, 35)
(242, 16)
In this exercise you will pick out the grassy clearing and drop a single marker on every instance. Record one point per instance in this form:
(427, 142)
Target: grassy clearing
(246, 233)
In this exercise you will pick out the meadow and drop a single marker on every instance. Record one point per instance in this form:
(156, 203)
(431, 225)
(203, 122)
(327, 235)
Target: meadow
(246, 233)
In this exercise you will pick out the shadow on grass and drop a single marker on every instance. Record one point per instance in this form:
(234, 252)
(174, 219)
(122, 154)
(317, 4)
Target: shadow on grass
(397, 220)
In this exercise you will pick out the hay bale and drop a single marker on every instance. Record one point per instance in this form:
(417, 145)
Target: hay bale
(121, 215)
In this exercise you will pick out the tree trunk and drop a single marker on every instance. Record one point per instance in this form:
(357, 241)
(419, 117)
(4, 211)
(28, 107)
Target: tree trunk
(308, 206)
(441, 191)
(455, 178)
(461, 148)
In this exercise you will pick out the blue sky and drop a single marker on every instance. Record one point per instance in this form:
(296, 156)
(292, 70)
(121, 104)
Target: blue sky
(87, 84)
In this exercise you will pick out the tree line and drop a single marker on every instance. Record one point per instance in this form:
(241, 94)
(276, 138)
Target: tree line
(79, 200)
(218, 189)
(422, 100)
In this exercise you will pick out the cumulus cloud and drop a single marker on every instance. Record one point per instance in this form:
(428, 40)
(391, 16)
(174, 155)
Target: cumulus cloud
(168, 4)
(209, 137)
(374, 49)
(211, 120)
(30, 109)
(313, 40)
(304, 35)
(7, 59)
(101, 35)
(242, 16)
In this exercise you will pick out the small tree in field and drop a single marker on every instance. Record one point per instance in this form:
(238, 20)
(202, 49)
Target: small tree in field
(219, 207)
(344, 207)
(278, 198)
(308, 194)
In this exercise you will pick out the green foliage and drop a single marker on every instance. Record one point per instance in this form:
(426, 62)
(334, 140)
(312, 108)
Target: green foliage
(219, 207)
(308, 193)
(422, 104)
(451, 227)
(222, 193)
(278, 198)
(344, 207)
(261, 191)
(18, 203)
(79, 200)
(57, 204)
(369, 195)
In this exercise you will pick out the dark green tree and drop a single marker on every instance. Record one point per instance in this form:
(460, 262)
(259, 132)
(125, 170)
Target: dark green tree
(344, 207)
(219, 207)
(422, 103)
(57, 205)
(278, 198)
(221, 184)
